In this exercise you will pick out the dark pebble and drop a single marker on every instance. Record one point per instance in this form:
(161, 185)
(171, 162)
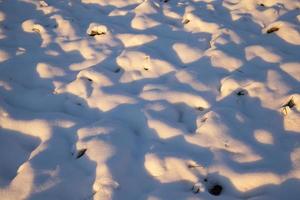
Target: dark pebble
(216, 190)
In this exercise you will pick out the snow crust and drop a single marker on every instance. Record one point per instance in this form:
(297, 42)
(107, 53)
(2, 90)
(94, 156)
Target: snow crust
(149, 99)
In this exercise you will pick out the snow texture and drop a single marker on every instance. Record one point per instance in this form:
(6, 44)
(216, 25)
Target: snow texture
(149, 99)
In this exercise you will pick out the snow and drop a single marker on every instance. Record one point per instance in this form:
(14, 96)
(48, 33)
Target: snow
(149, 99)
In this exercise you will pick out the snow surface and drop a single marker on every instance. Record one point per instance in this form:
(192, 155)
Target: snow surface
(141, 99)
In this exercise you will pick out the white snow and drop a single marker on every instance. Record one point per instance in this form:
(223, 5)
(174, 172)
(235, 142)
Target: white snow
(149, 99)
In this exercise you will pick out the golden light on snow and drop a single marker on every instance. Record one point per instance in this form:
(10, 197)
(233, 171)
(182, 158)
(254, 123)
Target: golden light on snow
(164, 130)
(276, 83)
(2, 16)
(295, 157)
(187, 54)
(245, 182)
(47, 71)
(21, 185)
(149, 99)
(261, 52)
(292, 69)
(169, 169)
(3, 56)
(263, 136)
(133, 40)
(154, 165)
(222, 60)
(291, 122)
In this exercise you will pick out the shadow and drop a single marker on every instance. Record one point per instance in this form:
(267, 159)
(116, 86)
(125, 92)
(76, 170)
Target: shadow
(15, 149)
(243, 115)
(68, 92)
(52, 160)
(125, 130)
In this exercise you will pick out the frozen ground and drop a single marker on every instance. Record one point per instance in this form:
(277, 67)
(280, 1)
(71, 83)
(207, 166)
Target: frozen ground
(149, 100)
